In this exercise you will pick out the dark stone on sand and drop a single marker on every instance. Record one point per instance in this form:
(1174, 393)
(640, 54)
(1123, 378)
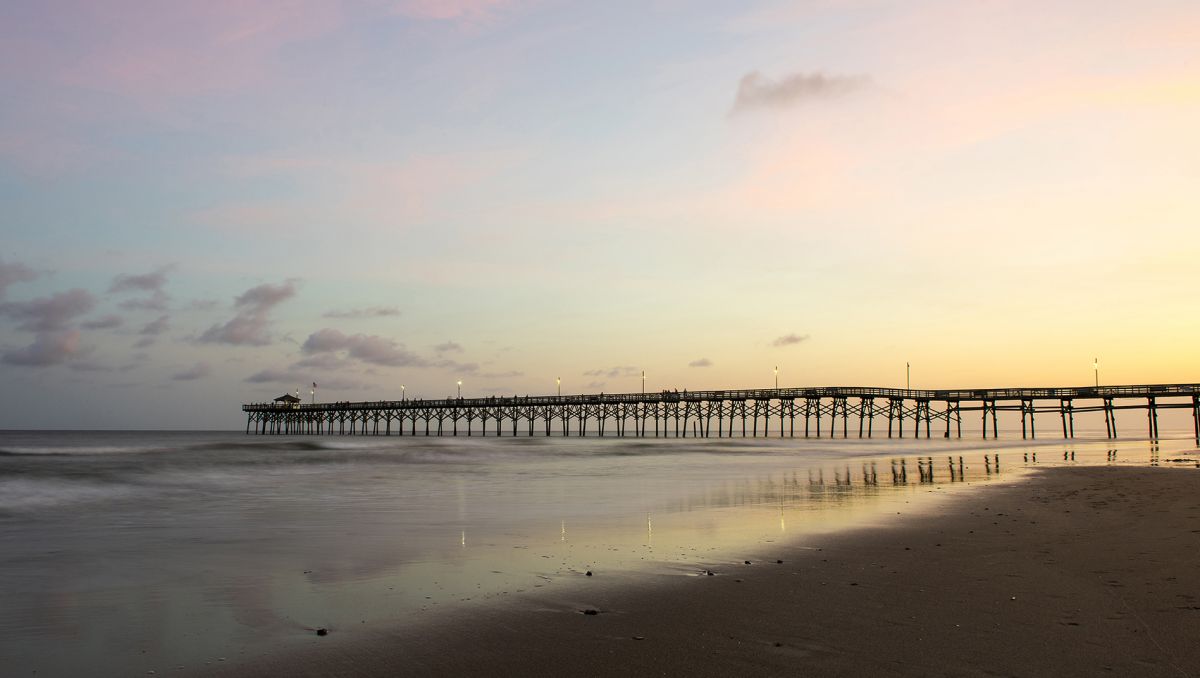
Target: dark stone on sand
(780, 562)
(590, 611)
(589, 573)
(322, 632)
(709, 572)
(747, 562)
(639, 637)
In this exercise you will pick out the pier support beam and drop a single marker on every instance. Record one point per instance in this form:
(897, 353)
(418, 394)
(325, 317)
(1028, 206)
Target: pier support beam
(1152, 417)
(1196, 416)
(1110, 418)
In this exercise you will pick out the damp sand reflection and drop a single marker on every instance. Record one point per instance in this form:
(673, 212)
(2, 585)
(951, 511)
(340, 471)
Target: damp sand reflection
(188, 554)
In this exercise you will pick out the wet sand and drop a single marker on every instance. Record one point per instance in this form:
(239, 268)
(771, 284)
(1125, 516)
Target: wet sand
(1078, 571)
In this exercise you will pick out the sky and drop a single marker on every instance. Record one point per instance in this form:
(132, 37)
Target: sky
(211, 203)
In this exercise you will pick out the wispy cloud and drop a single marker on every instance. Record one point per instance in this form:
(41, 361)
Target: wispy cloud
(455, 366)
(292, 377)
(152, 282)
(700, 362)
(372, 349)
(151, 330)
(146, 282)
(790, 339)
(251, 325)
(105, 322)
(48, 348)
(12, 273)
(157, 326)
(47, 314)
(756, 91)
(502, 375)
(201, 305)
(613, 372)
(198, 371)
(372, 312)
(448, 347)
(322, 361)
(274, 375)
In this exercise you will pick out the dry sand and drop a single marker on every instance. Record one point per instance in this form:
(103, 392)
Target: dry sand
(1080, 571)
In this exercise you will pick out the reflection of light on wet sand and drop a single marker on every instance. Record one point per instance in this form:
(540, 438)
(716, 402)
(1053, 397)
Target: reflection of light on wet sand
(700, 513)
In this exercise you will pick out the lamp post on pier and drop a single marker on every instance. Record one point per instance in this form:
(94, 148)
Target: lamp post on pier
(643, 382)
(1096, 367)
(558, 385)
(908, 376)
(460, 389)
(401, 392)
(776, 377)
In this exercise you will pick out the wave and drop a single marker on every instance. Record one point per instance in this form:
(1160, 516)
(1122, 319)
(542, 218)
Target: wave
(24, 495)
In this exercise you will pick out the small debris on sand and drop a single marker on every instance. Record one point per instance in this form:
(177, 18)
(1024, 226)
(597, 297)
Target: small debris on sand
(590, 611)
(322, 632)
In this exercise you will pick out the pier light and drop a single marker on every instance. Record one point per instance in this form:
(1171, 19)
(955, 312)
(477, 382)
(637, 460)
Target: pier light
(460, 389)
(558, 382)
(401, 392)
(1096, 367)
(643, 382)
(776, 377)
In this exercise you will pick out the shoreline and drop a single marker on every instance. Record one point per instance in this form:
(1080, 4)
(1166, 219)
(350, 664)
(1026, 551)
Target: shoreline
(1070, 571)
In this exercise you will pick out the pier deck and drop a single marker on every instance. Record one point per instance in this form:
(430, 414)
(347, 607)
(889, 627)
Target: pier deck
(781, 412)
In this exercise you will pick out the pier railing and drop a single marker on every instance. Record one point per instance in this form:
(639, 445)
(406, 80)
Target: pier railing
(760, 394)
(678, 413)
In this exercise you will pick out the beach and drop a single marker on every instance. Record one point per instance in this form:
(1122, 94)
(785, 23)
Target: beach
(217, 553)
(1071, 571)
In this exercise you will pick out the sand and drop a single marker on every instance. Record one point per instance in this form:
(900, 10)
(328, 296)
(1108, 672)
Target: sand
(1078, 571)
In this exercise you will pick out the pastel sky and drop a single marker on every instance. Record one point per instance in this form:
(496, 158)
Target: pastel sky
(210, 203)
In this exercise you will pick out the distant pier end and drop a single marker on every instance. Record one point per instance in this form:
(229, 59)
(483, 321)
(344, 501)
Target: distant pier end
(798, 412)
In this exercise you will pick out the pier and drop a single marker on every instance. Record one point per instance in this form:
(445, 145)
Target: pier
(834, 411)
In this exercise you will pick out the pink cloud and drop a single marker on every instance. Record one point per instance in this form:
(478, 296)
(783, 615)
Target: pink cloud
(450, 10)
(153, 49)
(48, 348)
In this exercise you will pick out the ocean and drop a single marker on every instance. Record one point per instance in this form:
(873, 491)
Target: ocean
(125, 552)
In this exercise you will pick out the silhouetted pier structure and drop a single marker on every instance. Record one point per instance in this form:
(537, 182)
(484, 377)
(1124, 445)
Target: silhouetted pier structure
(798, 412)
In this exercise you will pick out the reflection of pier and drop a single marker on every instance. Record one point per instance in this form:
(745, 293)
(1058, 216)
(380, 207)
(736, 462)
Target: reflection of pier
(782, 412)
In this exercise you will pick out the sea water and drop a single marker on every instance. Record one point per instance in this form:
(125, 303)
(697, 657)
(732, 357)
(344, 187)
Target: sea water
(122, 552)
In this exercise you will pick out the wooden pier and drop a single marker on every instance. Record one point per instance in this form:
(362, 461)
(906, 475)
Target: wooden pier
(840, 411)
